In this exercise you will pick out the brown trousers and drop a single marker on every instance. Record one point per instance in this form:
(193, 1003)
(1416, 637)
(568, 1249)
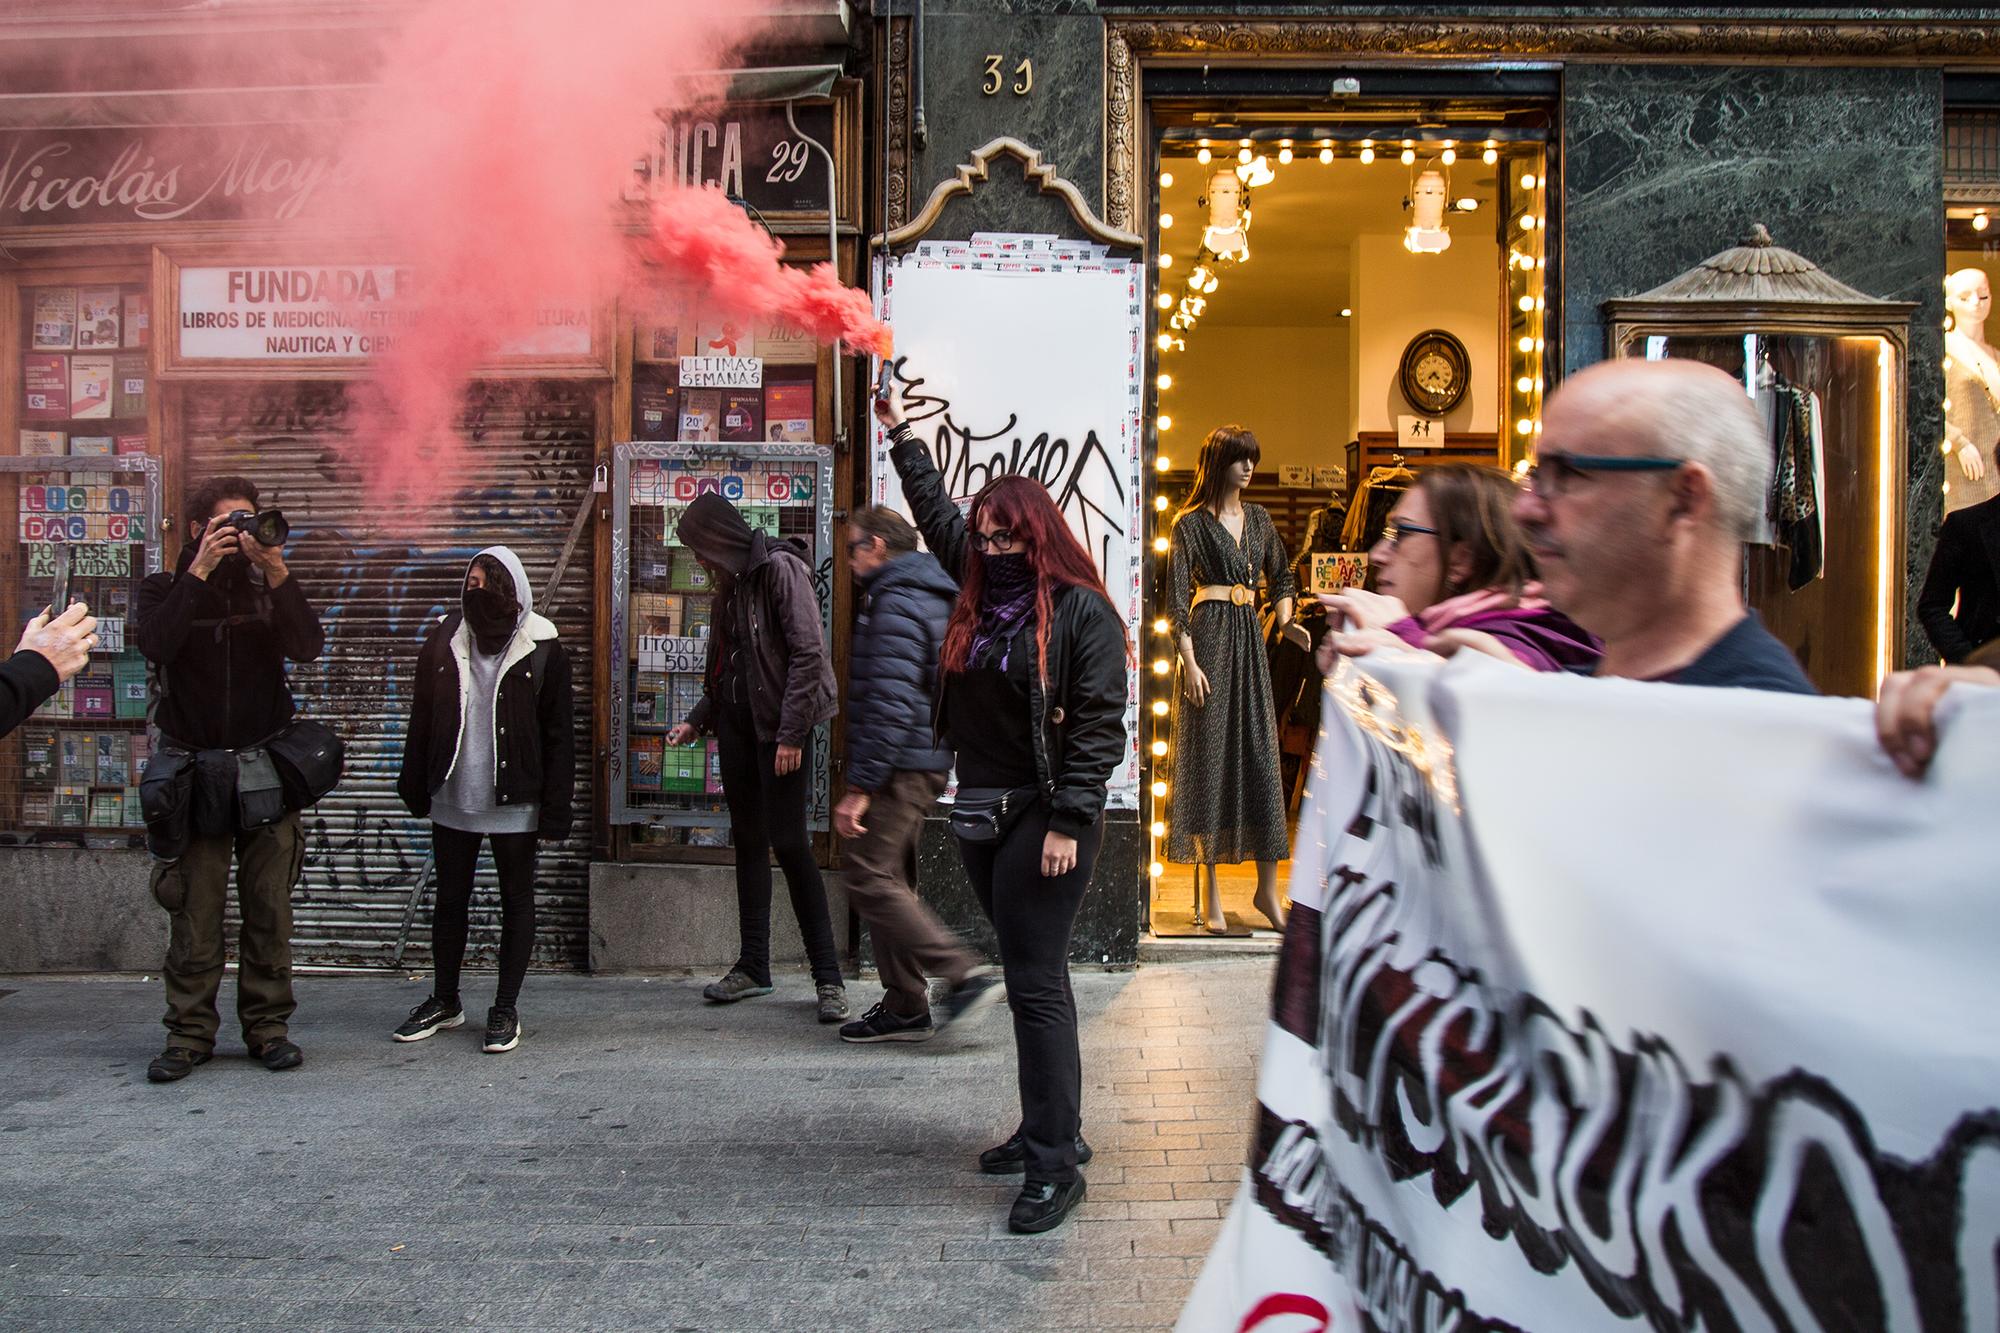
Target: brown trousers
(193, 889)
(881, 878)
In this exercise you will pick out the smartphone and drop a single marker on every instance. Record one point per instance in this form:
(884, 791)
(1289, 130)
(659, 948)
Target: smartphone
(59, 600)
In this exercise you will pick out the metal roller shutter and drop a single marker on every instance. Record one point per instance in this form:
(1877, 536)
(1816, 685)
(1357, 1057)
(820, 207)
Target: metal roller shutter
(380, 576)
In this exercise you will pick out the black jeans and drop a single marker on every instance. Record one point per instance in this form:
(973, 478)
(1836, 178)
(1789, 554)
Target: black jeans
(767, 814)
(1033, 916)
(457, 857)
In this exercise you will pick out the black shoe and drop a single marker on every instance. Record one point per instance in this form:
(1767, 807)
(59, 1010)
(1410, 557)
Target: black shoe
(1043, 1204)
(278, 1053)
(833, 1004)
(969, 998)
(174, 1063)
(878, 1024)
(428, 1019)
(503, 1030)
(1012, 1156)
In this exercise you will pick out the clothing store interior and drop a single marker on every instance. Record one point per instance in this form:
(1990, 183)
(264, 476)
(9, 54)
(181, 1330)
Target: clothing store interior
(1367, 299)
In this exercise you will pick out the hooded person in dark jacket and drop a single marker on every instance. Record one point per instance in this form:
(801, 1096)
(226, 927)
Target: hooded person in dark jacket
(218, 632)
(490, 754)
(768, 683)
(896, 770)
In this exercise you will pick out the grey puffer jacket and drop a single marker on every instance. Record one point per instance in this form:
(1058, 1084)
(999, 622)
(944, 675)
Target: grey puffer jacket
(892, 672)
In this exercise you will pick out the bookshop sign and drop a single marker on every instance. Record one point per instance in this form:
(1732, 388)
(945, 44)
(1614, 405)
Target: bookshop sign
(263, 173)
(333, 313)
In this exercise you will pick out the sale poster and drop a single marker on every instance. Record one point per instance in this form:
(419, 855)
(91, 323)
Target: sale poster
(44, 387)
(90, 387)
(54, 319)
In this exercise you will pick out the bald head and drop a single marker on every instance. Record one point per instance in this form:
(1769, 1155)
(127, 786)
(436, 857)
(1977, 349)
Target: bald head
(1673, 409)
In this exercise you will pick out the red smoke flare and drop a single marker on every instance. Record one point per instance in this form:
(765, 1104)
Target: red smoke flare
(709, 244)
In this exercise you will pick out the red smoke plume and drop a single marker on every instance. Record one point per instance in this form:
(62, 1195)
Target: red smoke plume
(710, 245)
(492, 163)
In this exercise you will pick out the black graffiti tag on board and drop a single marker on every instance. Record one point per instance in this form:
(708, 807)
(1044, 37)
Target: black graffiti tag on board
(1082, 476)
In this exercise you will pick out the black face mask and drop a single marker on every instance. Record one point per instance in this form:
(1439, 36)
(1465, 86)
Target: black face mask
(1006, 575)
(492, 615)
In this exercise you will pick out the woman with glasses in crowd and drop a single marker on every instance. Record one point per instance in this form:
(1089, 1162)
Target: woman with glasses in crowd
(1453, 570)
(1031, 697)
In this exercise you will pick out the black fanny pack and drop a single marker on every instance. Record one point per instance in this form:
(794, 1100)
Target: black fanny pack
(988, 814)
(185, 791)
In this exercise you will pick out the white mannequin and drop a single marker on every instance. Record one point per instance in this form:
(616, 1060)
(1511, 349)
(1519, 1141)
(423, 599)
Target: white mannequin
(1229, 513)
(1225, 234)
(1973, 386)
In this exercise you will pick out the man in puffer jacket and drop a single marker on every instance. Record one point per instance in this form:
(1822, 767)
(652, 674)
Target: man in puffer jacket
(895, 773)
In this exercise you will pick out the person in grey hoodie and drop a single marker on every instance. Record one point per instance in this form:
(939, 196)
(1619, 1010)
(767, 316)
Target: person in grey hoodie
(896, 770)
(490, 754)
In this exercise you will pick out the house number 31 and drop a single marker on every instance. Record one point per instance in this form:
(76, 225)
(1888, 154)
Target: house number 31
(1024, 77)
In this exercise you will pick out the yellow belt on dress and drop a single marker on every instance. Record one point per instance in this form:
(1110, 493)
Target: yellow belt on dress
(1236, 594)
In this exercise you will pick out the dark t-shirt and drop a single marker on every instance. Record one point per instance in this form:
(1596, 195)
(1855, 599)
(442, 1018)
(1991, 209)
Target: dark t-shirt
(988, 716)
(1749, 657)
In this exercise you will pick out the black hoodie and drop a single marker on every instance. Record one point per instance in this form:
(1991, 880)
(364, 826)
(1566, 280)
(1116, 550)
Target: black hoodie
(768, 614)
(221, 645)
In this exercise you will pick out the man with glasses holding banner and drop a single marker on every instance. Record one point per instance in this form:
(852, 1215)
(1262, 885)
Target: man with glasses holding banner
(1650, 477)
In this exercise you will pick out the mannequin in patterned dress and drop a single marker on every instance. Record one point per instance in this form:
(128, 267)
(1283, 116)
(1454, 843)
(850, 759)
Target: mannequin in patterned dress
(1226, 801)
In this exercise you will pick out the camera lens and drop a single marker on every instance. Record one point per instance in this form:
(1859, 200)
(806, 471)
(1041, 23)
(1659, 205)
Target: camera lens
(272, 529)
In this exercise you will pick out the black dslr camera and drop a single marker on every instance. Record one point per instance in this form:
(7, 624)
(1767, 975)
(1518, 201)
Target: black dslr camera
(266, 529)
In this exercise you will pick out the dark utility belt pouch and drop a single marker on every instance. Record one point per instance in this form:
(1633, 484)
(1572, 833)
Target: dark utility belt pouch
(260, 796)
(309, 759)
(166, 797)
(988, 814)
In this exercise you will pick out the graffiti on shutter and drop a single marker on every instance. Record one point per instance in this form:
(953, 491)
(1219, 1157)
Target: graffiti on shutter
(380, 575)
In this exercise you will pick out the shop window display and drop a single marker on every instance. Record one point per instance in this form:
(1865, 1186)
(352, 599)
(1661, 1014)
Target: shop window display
(86, 495)
(1367, 302)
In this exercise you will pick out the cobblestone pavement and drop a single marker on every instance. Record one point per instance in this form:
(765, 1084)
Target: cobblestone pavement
(642, 1161)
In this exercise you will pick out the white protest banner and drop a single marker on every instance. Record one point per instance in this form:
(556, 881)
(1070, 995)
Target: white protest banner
(1042, 382)
(1615, 1006)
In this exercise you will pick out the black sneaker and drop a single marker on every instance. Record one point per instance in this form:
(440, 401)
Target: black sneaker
(503, 1030)
(878, 1024)
(1042, 1205)
(278, 1053)
(428, 1019)
(737, 985)
(969, 998)
(1012, 1156)
(174, 1063)
(833, 1004)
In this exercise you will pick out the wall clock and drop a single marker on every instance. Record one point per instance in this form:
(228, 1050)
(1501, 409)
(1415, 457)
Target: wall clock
(1435, 372)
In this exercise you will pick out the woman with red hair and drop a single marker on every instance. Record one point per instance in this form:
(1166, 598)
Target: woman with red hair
(1031, 697)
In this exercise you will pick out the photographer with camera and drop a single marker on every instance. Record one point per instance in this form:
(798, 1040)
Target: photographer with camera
(218, 632)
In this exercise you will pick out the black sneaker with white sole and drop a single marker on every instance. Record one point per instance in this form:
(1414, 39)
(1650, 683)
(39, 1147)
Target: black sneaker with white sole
(503, 1030)
(428, 1019)
(878, 1024)
(968, 999)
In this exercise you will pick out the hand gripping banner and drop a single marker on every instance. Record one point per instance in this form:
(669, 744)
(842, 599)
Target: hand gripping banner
(1618, 1006)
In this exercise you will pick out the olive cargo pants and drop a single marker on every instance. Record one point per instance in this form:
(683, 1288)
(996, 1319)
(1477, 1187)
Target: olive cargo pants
(193, 890)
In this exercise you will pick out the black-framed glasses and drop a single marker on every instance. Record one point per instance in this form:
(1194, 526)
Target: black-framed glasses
(855, 544)
(1394, 535)
(1555, 472)
(1000, 540)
